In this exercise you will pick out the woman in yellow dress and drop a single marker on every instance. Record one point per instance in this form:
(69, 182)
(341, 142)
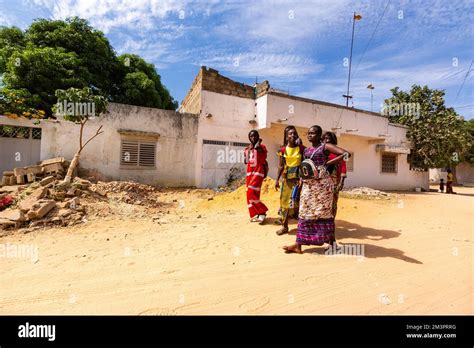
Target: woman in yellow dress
(289, 156)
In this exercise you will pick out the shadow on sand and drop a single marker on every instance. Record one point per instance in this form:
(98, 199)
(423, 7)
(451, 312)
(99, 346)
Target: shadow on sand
(345, 229)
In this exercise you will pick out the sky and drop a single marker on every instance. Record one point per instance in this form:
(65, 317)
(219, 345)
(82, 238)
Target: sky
(301, 47)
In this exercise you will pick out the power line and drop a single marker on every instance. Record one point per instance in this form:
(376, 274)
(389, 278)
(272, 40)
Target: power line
(371, 37)
(465, 77)
(463, 106)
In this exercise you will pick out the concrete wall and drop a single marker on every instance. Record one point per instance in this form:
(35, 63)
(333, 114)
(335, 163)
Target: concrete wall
(464, 174)
(233, 117)
(229, 123)
(372, 130)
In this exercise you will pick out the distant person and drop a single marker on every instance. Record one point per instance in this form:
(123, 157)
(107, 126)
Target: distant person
(289, 159)
(449, 182)
(316, 219)
(441, 185)
(255, 156)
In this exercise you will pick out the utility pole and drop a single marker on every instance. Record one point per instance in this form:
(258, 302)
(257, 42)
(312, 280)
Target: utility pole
(347, 96)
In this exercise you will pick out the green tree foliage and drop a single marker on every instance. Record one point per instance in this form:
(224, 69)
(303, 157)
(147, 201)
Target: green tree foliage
(439, 136)
(11, 40)
(43, 70)
(55, 54)
(142, 84)
(469, 156)
(20, 103)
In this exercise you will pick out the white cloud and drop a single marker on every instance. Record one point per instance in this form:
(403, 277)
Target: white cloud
(5, 21)
(266, 66)
(109, 14)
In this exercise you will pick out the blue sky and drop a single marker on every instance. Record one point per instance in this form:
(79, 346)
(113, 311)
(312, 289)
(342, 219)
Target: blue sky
(298, 46)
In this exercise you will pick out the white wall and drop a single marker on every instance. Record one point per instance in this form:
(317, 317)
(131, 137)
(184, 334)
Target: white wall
(464, 174)
(371, 130)
(229, 122)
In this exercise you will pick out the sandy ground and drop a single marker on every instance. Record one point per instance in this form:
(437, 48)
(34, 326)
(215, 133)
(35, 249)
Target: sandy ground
(418, 250)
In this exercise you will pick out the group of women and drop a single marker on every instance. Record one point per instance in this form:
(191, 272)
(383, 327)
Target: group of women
(311, 178)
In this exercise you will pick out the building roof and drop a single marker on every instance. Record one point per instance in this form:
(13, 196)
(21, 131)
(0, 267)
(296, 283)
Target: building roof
(210, 80)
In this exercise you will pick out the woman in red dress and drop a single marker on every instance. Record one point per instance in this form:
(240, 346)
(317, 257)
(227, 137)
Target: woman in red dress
(257, 170)
(338, 171)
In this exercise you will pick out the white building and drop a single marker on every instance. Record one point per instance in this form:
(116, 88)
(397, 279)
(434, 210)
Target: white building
(228, 110)
(201, 145)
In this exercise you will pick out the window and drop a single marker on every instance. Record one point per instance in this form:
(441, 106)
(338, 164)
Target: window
(215, 142)
(138, 153)
(389, 163)
(238, 144)
(36, 133)
(350, 163)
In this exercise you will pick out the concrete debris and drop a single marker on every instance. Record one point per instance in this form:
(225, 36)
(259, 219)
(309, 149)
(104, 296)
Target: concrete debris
(366, 192)
(41, 208)
(47, 180)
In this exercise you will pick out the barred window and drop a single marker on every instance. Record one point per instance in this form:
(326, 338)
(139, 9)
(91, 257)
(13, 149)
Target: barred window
(36, 133)
(14, 132)
(239, 144)
(215, 142)
(389, 163)
(137, 153)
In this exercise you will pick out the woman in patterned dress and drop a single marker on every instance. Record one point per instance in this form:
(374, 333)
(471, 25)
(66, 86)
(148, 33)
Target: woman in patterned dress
(289, 160)
(316, 219)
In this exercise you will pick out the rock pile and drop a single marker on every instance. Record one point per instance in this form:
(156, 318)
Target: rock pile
(50, 201)
(366, 192)
(129, 192)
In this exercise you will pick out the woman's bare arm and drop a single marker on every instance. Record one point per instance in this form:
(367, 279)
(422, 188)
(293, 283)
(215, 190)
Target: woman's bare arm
(281, 166)
(340, 152)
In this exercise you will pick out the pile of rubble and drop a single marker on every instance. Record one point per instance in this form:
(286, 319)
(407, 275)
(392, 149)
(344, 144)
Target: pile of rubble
(365, 192)
(129, 192)
(48, 201)
(22, 175)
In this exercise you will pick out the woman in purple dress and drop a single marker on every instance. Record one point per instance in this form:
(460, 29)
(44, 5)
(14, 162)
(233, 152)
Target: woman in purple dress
(316, 215)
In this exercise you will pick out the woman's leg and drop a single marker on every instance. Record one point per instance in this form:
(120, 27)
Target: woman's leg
(285, 196)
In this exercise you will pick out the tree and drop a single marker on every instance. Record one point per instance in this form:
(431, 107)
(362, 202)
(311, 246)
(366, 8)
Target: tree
(94, 52)
(19, 103)
(56, 54)
(439, 136)
(469, 155)
(142, 85)
(78, 106)
(11, 40)
(43, 70)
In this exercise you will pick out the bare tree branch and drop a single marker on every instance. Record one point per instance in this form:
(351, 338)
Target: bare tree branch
(98, 132)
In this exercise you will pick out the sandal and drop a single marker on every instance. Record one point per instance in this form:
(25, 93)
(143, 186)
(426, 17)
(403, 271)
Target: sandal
(282, 231)
(261, 219)
(254, 219)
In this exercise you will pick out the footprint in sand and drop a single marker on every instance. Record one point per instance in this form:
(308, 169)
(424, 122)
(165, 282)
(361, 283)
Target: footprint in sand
(255, 305)
(158, 311)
